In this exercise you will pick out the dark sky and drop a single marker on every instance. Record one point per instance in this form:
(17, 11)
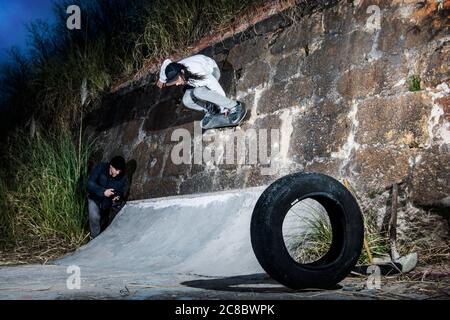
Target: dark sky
(14, 14)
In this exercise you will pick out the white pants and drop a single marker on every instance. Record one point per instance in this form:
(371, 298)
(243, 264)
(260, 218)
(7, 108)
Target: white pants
(193, 98)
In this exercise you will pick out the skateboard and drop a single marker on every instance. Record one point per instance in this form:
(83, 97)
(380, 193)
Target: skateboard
(221, 120)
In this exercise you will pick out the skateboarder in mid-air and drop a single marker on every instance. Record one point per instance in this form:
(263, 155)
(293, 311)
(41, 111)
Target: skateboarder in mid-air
(200, 76)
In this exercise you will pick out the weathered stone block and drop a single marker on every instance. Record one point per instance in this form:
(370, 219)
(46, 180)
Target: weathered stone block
(288, 66)
(246, 52)
(227, 77)
(154, 188)
(337, 53)
(376, 168)
(370, 80)
(445, 103)
(391, 38)
(174, 170)
(273, 98)
(431, 179)
(322, 129)
(130, 132)
(327, 166)
(285, 94)
(229, 179)
(272, 24)
(298, 36)
(256, 178)
(425, 23)
(395, 120)
(201, 182)
(161, 116)
(299, 89)
(138, 101)
(332, 25)
(253, 75)
(267, 122)
(290, 39)
(149, 159)
(437, 67)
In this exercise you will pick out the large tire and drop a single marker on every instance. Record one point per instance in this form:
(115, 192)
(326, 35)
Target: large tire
(346, 222)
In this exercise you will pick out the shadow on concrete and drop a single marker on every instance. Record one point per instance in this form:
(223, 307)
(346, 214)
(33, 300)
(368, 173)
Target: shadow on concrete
(256, 283)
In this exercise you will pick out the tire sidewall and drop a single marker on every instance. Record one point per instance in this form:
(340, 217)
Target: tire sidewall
(267, 238)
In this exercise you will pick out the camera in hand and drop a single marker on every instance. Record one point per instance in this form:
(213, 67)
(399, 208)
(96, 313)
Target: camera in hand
(114, 201)
(115, 197)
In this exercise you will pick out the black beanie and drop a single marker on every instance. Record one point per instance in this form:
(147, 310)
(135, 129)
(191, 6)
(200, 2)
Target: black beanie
(118, 163)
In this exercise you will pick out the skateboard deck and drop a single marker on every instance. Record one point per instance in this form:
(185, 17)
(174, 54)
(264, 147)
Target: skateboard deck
(220, 120)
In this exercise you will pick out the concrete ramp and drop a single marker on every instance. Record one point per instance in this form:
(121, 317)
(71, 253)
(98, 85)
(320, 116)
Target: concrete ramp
(207, 234)
(183, 247)
(154, 249)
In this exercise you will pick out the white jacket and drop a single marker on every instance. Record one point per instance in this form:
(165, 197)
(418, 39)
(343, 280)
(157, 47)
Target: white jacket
(201, 65)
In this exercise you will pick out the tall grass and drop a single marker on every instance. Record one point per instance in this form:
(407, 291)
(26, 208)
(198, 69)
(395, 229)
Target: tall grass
(57, 83)
(314, 240)
(174, 26)
(6, 220)
(46, 196)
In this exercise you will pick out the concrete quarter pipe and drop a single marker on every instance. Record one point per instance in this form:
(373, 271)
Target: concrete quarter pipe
(185, 244)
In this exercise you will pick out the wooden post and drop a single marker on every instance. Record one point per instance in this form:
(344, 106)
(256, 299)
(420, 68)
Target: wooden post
(393, 223)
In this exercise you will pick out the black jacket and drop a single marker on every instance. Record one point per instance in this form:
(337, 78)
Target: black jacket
(100, 180)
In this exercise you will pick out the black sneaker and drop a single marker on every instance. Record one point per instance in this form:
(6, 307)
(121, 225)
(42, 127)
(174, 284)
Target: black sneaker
(230, 118)
(210, 113)
(206, 119)
(237, 113)
(211, 108)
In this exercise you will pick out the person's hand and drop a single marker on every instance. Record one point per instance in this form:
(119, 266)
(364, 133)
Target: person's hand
(160, 84)
(116, 198)
(108, 192)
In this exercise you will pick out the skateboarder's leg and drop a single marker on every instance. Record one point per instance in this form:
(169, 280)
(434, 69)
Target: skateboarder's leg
(224, 103)
(216, 73)
(189, 102)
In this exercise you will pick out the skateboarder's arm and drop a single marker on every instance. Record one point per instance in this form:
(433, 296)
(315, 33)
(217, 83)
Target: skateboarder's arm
(92, 185)
(162, 74)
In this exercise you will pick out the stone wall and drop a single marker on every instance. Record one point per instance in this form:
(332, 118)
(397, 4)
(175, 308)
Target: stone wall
(334, 86)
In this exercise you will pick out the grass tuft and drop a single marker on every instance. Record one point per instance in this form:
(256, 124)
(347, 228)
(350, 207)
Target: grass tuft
(314, 239)
(414, 83)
